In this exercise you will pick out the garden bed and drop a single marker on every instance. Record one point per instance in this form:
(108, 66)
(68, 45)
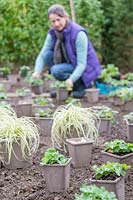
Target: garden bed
(29, 184)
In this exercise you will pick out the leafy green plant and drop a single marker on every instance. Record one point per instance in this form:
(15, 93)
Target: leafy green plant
(110, 168)
(5, 71)
(35, 82)
(48, 113)
(105, 112)
(24, 70)
(52, 156)
(3, 95)
(69, 120)
(22, 91)
(20, 130)
(92, 192)
(118, 146)
(42, 101)
(109, 72)
(4, 104)
(74, 101)
(48, 77)
(129, 117)
(122, 93)
(61, 84)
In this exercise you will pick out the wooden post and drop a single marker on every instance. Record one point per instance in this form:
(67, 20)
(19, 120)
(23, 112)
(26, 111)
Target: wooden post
(72, 10)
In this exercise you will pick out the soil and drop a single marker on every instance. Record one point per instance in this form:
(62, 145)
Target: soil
(29, 184)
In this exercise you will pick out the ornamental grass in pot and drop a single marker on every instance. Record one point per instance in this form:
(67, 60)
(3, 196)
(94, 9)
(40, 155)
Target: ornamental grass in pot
(92, 192)
(19, 139)
(111, 176)
(118, 151)
(70, 121)
(129, 122)
(56, 169)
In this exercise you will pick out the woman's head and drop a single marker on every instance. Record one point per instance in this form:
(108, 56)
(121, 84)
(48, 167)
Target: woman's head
(57, 16)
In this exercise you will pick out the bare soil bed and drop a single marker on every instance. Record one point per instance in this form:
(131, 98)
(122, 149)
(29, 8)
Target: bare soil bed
(29, 184)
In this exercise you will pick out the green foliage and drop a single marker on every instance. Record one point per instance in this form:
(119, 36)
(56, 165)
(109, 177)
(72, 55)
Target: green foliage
(47, 113)
(117, 37)
(90, 15)
(52, 156)
(23, 71)
(5, 71)
(42, 101)
(129, 117)
(105, 112)
(110, 168)
(118, 146)
(93, 192)
(22, 91)
(123, 93)
(61, 84)
(35, 82)
(74, 101)
(3, 95)
(109, 72)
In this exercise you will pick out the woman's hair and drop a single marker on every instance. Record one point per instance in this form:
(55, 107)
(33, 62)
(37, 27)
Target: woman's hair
(58, 10)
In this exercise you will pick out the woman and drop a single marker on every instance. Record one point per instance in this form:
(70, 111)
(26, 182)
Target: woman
(68, 53)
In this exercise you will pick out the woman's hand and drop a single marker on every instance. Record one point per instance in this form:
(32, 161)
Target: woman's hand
(36, 75)
(69, 82)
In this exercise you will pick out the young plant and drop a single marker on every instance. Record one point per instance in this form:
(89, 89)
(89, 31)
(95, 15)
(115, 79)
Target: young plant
(49, 77)
(105, 112)
(71, 100)
(35, 82)
(92, 192)
(52, 156)
(122, 93)
(3, 95)
(5, 71)
(20, 130)
(69, 120)
(42, 101)
(23, 71)
(22, 92)
(110, 168)
(129, 117)
(61, 84)
(47, 113)
(118, 147)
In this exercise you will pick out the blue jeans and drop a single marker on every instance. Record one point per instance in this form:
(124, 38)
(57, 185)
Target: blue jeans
(62, 71)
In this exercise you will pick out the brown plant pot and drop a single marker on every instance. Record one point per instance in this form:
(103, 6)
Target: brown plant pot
(116, 158)
(92, 95)
(16, 161)
(44, 125)
(80, 150)
(57, 176)
(23, 109)
(117, 186)
(129, 131)
(61, 94)
(37, 89)
(105, 126)
(47, 85)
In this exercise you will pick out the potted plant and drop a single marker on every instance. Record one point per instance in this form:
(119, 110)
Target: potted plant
(4, 72)
(111, 176)
(56, 169)
(92, 192)
(62, 90)
(118, 151)
(44, 119)
(42, 103)
(71, 121)
(74, 101)
(23, 71)
(129, 121)
(107, 117)
(19, 139)
(48, 81)
(36, 85)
